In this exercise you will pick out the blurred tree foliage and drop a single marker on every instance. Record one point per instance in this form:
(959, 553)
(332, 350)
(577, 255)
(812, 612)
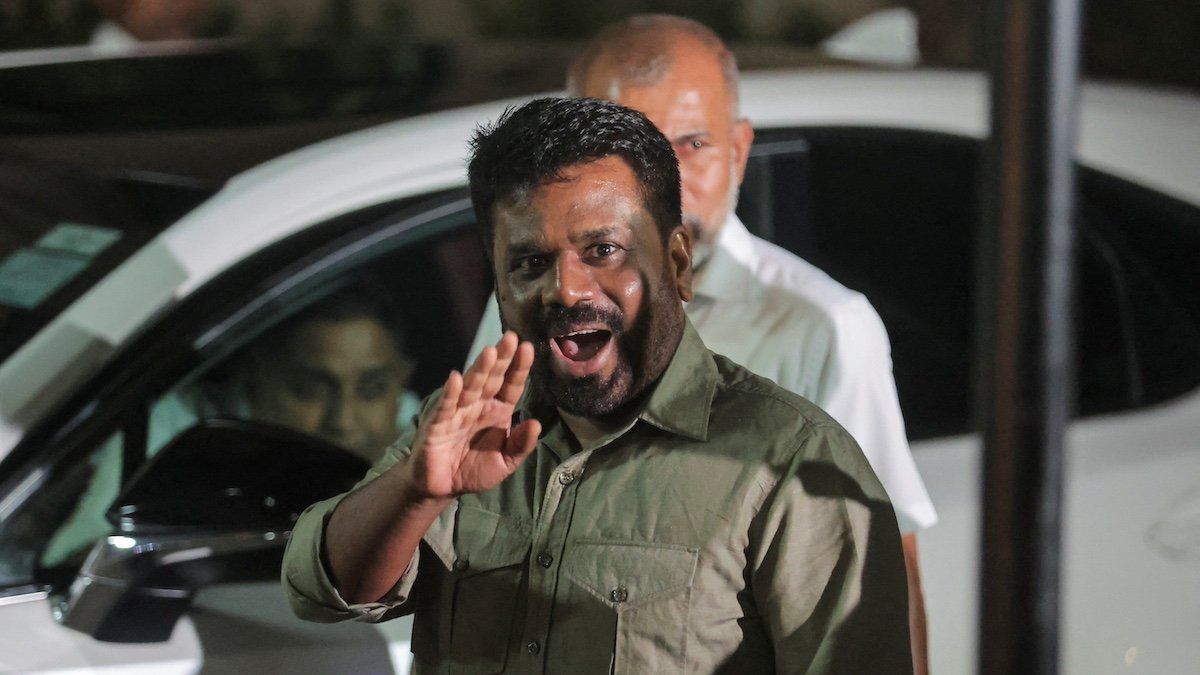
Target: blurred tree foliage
(1153, 41)
(580, 20)
(27, 24)
(42, 23)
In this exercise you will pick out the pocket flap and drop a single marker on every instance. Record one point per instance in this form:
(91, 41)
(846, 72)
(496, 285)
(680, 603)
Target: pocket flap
(486, 541)
(629, 572)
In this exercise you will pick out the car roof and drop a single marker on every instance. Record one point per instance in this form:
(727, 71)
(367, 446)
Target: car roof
(1150, 137)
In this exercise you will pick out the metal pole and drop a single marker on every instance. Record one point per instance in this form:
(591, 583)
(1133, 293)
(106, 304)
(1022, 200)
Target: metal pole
(1025, 326)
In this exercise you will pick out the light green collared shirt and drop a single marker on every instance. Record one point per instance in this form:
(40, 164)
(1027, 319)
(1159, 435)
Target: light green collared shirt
(734, 527)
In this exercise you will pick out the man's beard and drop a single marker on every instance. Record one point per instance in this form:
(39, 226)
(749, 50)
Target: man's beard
(701, 246)
(704, 235)
(642, 354)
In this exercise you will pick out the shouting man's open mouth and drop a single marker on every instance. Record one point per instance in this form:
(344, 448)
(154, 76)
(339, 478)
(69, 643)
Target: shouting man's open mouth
(582, 350)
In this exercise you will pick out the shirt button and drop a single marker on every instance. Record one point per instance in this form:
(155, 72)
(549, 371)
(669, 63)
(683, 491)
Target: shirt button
(545, 559)
(618, 594)
(461, 565)
(566, 478)
(533, 648)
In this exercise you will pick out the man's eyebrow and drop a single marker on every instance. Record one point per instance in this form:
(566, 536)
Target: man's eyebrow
(595, 233)
(376, 371)
(690, 136)
(523, 247)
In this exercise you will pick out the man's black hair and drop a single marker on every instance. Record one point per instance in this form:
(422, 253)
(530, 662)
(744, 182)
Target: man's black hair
(361, 300)
(536, 142)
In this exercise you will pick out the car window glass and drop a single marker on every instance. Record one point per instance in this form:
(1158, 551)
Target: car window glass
(348, 362)
(62, 229)
(893, 214)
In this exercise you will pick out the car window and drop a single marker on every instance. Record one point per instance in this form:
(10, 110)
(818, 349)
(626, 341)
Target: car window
(341, 345)
(62, 229)
(893, 214)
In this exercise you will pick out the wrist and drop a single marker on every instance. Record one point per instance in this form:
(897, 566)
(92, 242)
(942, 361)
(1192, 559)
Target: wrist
(413, 492)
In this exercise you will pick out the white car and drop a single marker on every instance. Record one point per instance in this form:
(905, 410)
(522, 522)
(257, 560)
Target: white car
(870, 175)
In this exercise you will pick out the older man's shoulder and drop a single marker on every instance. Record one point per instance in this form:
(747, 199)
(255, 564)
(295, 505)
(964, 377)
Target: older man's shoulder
(779, 431)
(782, 273)
(754, 403)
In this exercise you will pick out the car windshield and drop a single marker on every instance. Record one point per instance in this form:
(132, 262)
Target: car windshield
(63, 229)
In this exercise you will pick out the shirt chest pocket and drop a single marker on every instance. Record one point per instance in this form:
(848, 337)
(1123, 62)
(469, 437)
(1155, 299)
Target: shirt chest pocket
(486, 580)
(636, 598)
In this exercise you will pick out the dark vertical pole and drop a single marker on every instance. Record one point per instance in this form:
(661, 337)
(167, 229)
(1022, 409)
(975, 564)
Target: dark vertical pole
(1025, 321)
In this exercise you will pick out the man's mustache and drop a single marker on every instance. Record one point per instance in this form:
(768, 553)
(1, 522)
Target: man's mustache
(557, 319)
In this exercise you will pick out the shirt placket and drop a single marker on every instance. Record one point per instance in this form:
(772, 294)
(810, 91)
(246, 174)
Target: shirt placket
(549, 540)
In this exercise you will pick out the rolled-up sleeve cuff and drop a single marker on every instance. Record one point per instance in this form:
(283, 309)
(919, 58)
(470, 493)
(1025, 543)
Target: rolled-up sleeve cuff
(916, 517)
(307, 582)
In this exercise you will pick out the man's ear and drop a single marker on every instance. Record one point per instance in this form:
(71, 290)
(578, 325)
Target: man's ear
(743, 138)
(679, 257)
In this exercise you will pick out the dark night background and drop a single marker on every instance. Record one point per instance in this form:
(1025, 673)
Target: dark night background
(241, 82)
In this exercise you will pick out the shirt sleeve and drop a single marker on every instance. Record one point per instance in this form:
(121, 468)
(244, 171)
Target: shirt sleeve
(305, 575)
(858, 390)
(306, 579)
(827, 570)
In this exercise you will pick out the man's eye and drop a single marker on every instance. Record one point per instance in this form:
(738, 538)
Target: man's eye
(696, 143)
(373, 388)
(531, 263)
(604, 252)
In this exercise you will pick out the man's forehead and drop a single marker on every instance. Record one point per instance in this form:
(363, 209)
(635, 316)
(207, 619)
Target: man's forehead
(530, 227)
(580, 196)
(350, 334)
(601, 186)
(691, 72)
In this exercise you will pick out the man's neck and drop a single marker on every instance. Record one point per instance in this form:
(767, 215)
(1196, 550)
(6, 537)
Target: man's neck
(701, 254)
(590, 431)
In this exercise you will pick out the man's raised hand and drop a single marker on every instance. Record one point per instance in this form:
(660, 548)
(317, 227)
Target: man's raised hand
(464, 443)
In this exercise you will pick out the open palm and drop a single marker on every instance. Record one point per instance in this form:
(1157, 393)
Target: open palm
(465, 443)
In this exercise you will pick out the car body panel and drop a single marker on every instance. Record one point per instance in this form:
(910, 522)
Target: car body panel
(233, 628)
(31, 641)
(1118, 578)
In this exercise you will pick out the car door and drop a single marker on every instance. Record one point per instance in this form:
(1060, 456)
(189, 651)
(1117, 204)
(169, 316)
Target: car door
(893, 213)
(60, 486)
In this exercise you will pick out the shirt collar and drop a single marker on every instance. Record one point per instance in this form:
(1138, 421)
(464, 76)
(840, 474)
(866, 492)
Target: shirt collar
(680, 402)
(682, 399)
(729, 271)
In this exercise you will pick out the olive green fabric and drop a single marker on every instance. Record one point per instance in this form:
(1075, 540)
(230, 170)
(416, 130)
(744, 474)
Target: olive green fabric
(734, 527)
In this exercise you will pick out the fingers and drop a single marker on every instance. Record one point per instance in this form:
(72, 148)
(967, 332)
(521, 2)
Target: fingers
(516, 374)
(498, 371)
(476, 376)
(506, 349)
(450, 395)
(522, 440)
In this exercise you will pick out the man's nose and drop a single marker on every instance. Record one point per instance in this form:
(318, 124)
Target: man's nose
(571, 282)
(339, 416)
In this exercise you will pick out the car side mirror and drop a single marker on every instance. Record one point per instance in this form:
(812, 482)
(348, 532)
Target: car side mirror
(216, 504)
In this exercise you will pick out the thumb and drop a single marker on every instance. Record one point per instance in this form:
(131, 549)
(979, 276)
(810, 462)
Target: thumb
(521, 441)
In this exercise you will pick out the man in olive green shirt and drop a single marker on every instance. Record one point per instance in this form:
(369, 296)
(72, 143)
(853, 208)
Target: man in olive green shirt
(646, 505)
